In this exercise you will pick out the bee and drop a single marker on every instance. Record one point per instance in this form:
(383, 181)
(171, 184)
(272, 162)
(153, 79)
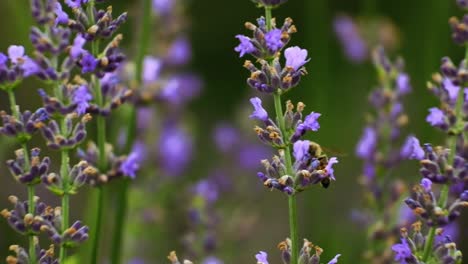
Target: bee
(316, 151)
(325, 183)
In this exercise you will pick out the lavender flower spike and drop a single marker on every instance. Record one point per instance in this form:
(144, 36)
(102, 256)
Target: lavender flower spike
(245, 46)
(132, 164)
(262, 258)
(367, 143)
(402, 251)
(259, 112)
(295, 57)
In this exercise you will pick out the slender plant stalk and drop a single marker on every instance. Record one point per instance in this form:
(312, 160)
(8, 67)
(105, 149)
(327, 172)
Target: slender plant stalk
(65, 159)
(122, 194)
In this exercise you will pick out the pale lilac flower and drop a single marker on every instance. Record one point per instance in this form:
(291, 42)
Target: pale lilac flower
(75, 3)
(310, 123)
(245, 46)
(29, 67)
(81, 97)
(301, 149)
(427, 184)
(259, 112)
(452, 90)
(329, 167)
(152, 67)
(77, 47)
(295, 57)
(62, 17)
(262, 258)
(335, 259)
(403, 83)
(180, 52)
(16, 54)
(412, 149)
(436, 117)
(132, 163)
(273, 40)
(212, 260)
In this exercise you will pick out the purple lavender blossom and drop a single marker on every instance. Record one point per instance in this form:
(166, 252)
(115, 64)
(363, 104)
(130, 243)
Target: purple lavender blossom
(132, 163)
(245, 46)
(426, 184)
(181, 88)
(329, 167)
(451, 230)
(262, 257)
(402, 251)
(436, 117)
(29, 67)
(212, 260)
(335, 259)
(208, 190)
(273, 40)
(163, 7)
(403, 83)
(412, 149)
(89, 63)
(367, 143)
(152, 67)
(16, 54)
(81, 98)
(226, 137)
(3, 60)
(175, 149)
(259, 112)
(180, 52)
(77, 48)
(452, 90)
(75, 3)
(310, 123)
(354, 46)
(144, 117)
(62, 17)
(295, 57)
(301, 149)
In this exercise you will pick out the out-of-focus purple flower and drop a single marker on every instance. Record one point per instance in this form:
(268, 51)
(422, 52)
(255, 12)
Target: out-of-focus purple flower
(81, 97)
(335, 259)
(403, 83)
(412, 149)
(175, 149)
(402, 251)
(16, 54)
(295, 57)
(62, 17)
(245, 46)
(250, 154)
(464, 196)
(152, 67)
(329, 167)
(208, 190)
(451, 230)
(436, 117)
(89, 63)
(259, 112)
(301, 149)
(369, 170)
(109, 79)
(310, 123)
(367, 143)
(29, 67)
(163, 7)
(181, 88)
(180, 52)
(3, 60)
(77, 47)
(226, 137)
(262, 257)
(212, 260)
(273, 40)
(427, 184)
(452, 90)
(354, 45)
(75, 3)
(133, 161)
(144, 117)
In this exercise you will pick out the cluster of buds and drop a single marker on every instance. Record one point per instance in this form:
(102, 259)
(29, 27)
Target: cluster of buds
(72, 136)
(22, 257)
(411, 247)
(25, 126)
(36, 168)
(459, 29)
(78, 176)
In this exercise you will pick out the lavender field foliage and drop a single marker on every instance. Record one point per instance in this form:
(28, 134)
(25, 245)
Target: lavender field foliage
(253, 131)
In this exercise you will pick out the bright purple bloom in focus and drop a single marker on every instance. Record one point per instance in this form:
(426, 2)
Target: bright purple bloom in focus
(180, 52)
(16, 54)
(81, 98)
(273, 40)
(427, 184)
(301, 149)
(403, 83)
(77, 48)
(452, 90)
(295, 57)
(262, 258)
(245, 46)
(335, 259)
(367, 143)
(259, 112)
(62, 17)
(310, 123)
(151, 69)
(89, 63)
(436, 117)
(402, 251)
(329, 167)
(412, 149)
(132, 163)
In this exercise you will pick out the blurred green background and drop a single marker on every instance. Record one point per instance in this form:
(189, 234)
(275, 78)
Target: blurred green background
(334, 87)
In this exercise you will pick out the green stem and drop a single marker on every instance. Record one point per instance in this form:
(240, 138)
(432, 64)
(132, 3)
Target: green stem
(13, 106)
(268, 17)
(97, 231)
(31, 209)
(292, 204)
(65, 159)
